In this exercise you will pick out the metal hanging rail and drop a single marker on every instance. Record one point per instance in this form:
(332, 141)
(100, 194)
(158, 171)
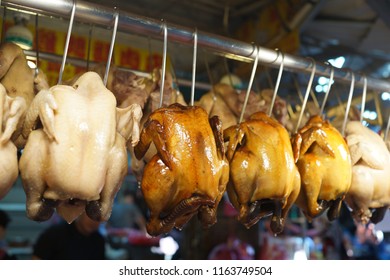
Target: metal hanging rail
(129, 23)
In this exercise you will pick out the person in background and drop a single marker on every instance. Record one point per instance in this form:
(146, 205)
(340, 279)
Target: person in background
(4, 221)
(80, 240)
(126, 213)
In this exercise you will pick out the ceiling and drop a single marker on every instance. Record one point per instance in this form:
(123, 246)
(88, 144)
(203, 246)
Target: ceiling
(357, 29)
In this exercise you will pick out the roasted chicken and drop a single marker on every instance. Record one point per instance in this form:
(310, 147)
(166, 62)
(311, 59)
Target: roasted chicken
(11, 109)
(324, 162)
(77, 160)
(170, 96)
(369, 195)
(263, 177)
(189, 172)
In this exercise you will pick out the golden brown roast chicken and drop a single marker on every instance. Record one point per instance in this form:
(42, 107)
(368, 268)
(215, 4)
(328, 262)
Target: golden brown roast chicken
(11, 109)
(263, 177)
(324, 162)
(369, 195)
(189, 172)
(170, 96)
(20, 81)
(78, 159)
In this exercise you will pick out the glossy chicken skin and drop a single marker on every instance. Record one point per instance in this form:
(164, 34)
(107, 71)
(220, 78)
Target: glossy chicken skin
(189, 172)
(78, 160)
(324, 162)
(263, 177)
(11, 109)
(369, 195)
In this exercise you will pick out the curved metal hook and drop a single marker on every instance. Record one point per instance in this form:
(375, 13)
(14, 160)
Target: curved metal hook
(36, 40)
(313, 71)
(89, 46)
(279, 78)
(250, 83)
(387, 129)
(114, 31)
(67, 42)
(194, 66)
(164, 62)
(364, 95)
(348, 103)
(331, 79)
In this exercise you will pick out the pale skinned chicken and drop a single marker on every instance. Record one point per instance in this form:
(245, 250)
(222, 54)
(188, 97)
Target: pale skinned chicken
(11, 109)
(77, 160)
(19, 81)
(369, 196)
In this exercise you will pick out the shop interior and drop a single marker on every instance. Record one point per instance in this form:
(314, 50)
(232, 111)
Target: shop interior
(292, 58)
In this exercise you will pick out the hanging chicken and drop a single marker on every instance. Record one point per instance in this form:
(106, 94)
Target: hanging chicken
(324, 162)
(170, 96)
(189, 172)
(11, 109)
(263, 177)
(78, 159)
(369, 196)
(20, 81)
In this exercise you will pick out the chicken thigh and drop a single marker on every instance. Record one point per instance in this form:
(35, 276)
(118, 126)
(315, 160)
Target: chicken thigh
(369, 195)
(11, 109)
(324, 162)
(78, 159)
(189, 172)
(263, 177)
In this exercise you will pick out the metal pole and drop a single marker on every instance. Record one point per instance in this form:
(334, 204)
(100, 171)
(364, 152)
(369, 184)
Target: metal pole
(99, 15)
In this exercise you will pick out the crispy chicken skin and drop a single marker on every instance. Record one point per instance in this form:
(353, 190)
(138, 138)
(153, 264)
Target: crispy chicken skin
(78, 159)
(189, 172)
(263, 177)
(369, 195)
(324, 162)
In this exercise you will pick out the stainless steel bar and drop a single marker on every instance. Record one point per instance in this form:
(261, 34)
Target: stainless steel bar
(234, 49)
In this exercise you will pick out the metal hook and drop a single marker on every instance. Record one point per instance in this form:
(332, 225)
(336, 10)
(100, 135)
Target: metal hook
(194, 66)
(250, 83)
(328, 90)
(89, 46)
(67, 42)
(116, 15)
(279, 78)
(348, 103)
(3, 24)
(387, 129)
(36, 41)
(164, 62)
(313, 71)
(364, 95)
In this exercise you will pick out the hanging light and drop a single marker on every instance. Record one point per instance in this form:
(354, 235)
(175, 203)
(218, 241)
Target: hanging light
(19, 34)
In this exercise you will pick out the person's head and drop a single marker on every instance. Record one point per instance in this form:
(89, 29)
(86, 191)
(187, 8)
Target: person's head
(128, 195)
(4, 221)
(86, 225)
